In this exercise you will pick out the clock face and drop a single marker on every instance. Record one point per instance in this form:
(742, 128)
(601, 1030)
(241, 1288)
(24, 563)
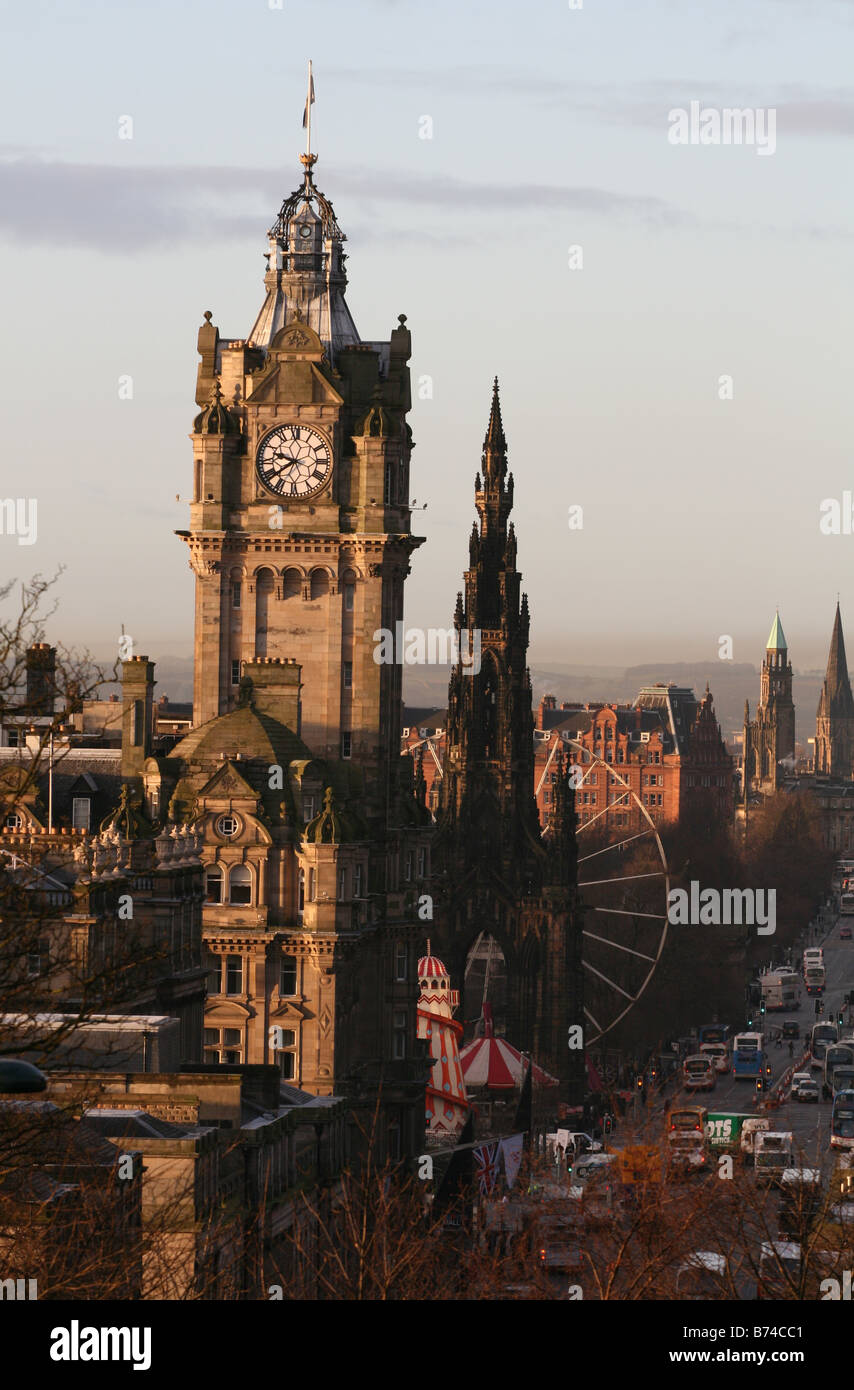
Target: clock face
(294, 461)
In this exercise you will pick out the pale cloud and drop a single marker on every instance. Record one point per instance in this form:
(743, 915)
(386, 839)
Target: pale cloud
(120, 209)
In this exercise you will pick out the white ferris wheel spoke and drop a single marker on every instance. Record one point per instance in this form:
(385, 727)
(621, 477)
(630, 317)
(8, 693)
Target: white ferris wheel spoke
(619, 947)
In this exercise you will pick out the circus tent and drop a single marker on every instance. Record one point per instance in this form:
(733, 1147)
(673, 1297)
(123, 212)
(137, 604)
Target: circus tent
(493, 1063)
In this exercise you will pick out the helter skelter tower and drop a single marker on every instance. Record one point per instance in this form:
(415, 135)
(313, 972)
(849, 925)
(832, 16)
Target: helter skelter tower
(446, 1104)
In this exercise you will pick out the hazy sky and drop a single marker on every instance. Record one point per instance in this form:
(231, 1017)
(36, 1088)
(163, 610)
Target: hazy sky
(550, 130)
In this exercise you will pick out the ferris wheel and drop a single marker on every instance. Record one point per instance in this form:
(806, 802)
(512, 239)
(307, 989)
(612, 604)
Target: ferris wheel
(624, 885)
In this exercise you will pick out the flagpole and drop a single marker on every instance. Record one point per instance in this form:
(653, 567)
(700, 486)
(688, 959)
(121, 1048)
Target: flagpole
(308, 108)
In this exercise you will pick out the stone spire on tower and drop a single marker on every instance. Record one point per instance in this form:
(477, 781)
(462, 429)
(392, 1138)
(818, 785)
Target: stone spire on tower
(769, 739)
(489, 765)
(834, 731)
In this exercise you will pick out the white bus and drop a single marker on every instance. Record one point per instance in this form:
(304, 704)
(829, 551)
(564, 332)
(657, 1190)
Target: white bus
(780, 989)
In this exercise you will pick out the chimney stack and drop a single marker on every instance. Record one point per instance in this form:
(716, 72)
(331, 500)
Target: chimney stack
(41, 678)
(137, 714)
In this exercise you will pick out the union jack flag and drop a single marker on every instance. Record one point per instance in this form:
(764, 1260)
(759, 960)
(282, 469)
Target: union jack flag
(486, 1166)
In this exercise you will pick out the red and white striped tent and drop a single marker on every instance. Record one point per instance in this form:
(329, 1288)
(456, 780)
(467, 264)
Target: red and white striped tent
(492, 1063)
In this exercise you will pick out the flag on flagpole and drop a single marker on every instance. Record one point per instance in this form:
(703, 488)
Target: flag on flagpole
(309, 101)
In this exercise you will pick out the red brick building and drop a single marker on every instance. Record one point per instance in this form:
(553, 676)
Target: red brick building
(666, 750)
(655, 756)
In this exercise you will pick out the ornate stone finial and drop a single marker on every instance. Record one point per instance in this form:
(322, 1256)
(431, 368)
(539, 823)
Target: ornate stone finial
(296, 316)
(126, 820)
(163, 847)
(378, 421)
(326, 828)
(216, 418)
(208, 315)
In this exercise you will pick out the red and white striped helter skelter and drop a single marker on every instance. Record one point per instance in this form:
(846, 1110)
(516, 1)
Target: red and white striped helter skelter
(446, 1104)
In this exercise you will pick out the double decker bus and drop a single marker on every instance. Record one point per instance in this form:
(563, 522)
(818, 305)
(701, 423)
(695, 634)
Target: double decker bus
(836, 1055)
(846, 903)
(780, 989)
(748, 1055)
(815, 977)
(713, 1033)
(822, 1036)
(842, 1121)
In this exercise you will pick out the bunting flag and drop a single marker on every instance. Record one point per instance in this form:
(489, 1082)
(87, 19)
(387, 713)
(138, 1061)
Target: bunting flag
(456, 1186)
(511, 1153)
(524, 1108)
(486, 1166)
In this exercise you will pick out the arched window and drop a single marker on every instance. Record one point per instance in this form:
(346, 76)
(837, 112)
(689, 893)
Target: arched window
(489, 708)
(213, 884)
(312, 887)
(319, 583)
(264, 586)
(240, 885)
(291, 584)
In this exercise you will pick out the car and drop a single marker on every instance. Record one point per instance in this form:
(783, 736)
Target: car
(808, 1091)
(791, 1029)
(798, 1080)
(844, 933)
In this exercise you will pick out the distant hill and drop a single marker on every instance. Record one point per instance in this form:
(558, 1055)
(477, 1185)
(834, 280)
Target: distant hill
(731, 683)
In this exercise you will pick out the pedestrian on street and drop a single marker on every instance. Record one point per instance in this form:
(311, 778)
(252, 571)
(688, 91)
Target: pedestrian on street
(791, 1049)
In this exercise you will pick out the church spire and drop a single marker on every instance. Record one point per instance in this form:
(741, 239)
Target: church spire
(834, 725)
(837, 688)
(776, 637)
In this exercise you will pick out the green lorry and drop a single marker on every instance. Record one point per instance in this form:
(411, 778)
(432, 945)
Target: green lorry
(723, 1130)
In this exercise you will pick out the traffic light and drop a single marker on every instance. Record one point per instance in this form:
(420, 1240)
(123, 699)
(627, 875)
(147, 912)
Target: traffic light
(762, 1006)
(639, 1082)
(750, 1019)
(607, 1124)
(760, 1084)
(841, 1018)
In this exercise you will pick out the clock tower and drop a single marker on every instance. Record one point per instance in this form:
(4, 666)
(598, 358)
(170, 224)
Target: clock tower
(299, 532)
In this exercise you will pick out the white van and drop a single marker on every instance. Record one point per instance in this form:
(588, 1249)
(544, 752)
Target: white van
(593, 1185)
(754, 1125)
(773, 1154)
(719, 1053)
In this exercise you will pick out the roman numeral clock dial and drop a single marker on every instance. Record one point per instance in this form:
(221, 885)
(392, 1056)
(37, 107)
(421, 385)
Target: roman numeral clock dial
(293, 461)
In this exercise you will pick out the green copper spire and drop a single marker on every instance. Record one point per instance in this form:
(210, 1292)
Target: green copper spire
(777, 638)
